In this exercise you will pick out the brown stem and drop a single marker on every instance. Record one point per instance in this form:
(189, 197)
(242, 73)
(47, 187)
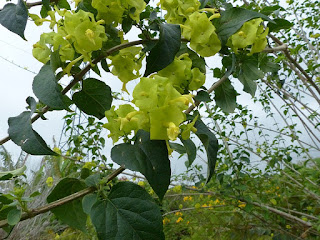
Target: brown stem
(296, 64)
(34, 212)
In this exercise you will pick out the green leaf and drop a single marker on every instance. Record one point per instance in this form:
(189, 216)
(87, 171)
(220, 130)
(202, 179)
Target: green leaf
(225, 96)
(203, 96)
(46, 88)
(70, 213)
(232, 20)
(88, 201)
(55, 61)
(270, 9)
(149, 157)
(14, 17)
(104, 65)
(21, 133)
(63, 4)
(191, 150)
(249, 72)
(266, 64)
(94, 98)
(177, 147)
(14, 173)
(210, 143)
(165, 50)
(14, 216)
(127, 23)
(279, 24)
(93, 180)
(128, 213)
(86, 6)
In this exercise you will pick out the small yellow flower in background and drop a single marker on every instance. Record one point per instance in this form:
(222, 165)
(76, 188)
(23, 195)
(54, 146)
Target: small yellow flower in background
(304, 219)
(49, 181)
(180, 206)
(165, 220)
(216, 201)
(271, 235)
(151, 192)
(177, 189)
(288, 226)
(89, 165)
(309, 208)
(197, 205)
(57, 150)
(223, 203)
(187, 198)
(178, 214)
(277, 188)
(180, 219)
(241, 204)
(204, 205)
(57, 236)
(188, 222)
(141, 183)
(194, 187)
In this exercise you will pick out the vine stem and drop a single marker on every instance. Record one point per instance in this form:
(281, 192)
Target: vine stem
(34, 212)
(296, 64)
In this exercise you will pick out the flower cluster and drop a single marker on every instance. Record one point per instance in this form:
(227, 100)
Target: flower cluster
(126, 65)
(252, 33)
(160, 112)
(179, 10)
(112, 11)
(76, 32)
(181, 74)
(201, 33)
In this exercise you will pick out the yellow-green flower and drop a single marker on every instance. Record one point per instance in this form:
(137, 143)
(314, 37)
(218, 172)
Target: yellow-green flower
(49, 181)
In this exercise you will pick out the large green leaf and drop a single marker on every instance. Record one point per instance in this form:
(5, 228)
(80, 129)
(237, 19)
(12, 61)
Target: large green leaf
(70, 213)
(46, 88)
(279, 24)
(232, 20)
(210, 143)
(88, 201)
(14, 17)
(191, 150)
(149, 157)
(163, 53)
(21, 133)
(94, 99)
(225, 96)
(128, 213)
(249, 72)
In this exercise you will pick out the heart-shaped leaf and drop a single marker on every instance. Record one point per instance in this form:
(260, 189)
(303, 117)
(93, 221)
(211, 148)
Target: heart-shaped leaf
(94, 99)
(14, 17)
(128, 213)
(21, 133)
(163, 53)
(70, 213)
(149, 157)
